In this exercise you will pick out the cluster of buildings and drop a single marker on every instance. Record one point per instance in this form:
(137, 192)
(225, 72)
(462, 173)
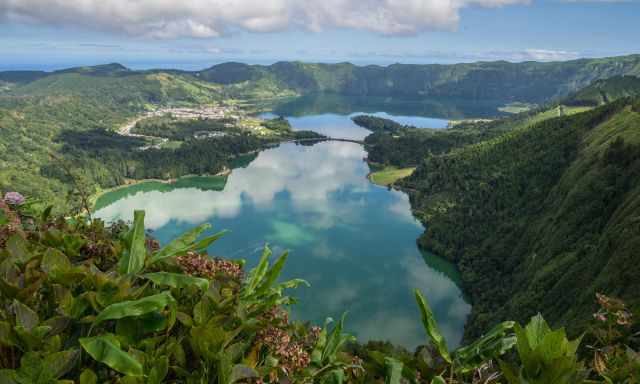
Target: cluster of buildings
(205, 113)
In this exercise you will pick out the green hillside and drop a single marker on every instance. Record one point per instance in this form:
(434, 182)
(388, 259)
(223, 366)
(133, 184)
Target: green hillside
(405, 146)
(525, 82)
(548, 210)
(530, 82)
(606, 90)
(33, 115)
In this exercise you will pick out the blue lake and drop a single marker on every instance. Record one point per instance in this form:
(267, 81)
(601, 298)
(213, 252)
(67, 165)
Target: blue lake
(355, 242)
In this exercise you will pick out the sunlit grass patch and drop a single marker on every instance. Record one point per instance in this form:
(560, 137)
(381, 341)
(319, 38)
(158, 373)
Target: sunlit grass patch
(390, 175)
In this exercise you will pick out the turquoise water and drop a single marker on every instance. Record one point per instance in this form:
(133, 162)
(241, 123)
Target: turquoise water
(355, 242)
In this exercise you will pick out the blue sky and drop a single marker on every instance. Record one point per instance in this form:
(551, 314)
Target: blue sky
(49, 34)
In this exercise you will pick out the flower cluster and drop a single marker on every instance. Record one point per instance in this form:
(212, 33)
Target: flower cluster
(276, 315)
(14, 198)
(612, 309)
(291, 354)
(356, 369)
(195, 264)
(152, 245)
(12, 226)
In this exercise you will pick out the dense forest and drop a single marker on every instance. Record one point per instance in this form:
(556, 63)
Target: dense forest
(406, 146)
(548, 210)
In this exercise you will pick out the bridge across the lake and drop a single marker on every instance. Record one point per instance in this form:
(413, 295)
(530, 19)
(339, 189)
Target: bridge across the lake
(318, 139)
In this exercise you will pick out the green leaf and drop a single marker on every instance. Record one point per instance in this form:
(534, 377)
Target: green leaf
(242, 372)
(88, 377)
(393, 370)
(54, 262)
(159, 370)
(204, 243)
(59, 363)
(38, 369)
(257, 274)
(46, 213)
(438, 380)
(335, 376)
(493, 344)
(272, 275)
(7, 338)
(25, 316)
(8, 376)
(536, 330)
(106, 350)
(430, 325)
(3, 218)
(180, 245)
(335, 340)
(136, 307)
(177, 280)
(133, 261)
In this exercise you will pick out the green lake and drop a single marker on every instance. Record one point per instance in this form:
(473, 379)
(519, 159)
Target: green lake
(353, 241)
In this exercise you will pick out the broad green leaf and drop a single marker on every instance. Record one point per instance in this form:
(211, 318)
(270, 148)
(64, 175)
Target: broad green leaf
(272, 274)
(177, 280)
(242, 372)
(7, 338)
(393, 369)
(25, 316)
(136, 307)
(204, 243)
(38, 369)
(438, 380)
(536, 330)
(335, 340)
(159, 370)
(181, 244)
(133, 261)
(106, 350)
(54, 262)
(509, 372)
(59, 363)
(257, 274)
(430, 325)
(493, 344)
(335, 376)
(88, 377)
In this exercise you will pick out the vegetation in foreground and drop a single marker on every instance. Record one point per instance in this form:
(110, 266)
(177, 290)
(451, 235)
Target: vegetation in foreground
(84, 302)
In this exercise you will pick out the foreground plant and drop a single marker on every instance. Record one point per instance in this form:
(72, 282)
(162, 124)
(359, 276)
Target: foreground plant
(92, 303)
(84, 302)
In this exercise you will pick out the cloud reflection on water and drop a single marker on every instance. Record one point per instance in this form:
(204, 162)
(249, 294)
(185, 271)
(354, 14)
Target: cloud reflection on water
(355, 242)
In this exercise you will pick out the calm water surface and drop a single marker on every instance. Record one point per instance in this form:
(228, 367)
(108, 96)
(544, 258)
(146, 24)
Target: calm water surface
(352, 240)
(342, 127)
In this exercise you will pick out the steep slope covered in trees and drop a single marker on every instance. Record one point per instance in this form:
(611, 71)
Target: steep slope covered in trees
(606, 90)
(541, 218)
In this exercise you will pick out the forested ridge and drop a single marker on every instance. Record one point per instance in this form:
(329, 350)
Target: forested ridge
(500, 80)
(540, 218)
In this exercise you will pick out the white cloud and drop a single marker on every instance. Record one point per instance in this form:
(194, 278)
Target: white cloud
(212, 18)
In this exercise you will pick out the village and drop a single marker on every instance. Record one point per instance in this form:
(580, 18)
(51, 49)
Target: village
(205, 113)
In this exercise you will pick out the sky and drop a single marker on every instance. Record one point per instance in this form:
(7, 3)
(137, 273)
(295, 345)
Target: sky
(195, 34)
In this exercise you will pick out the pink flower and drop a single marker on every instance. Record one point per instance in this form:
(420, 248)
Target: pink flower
(14, 198)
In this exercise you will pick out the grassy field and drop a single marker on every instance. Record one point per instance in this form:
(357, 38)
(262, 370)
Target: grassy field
(389, 175)
(516, 107)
